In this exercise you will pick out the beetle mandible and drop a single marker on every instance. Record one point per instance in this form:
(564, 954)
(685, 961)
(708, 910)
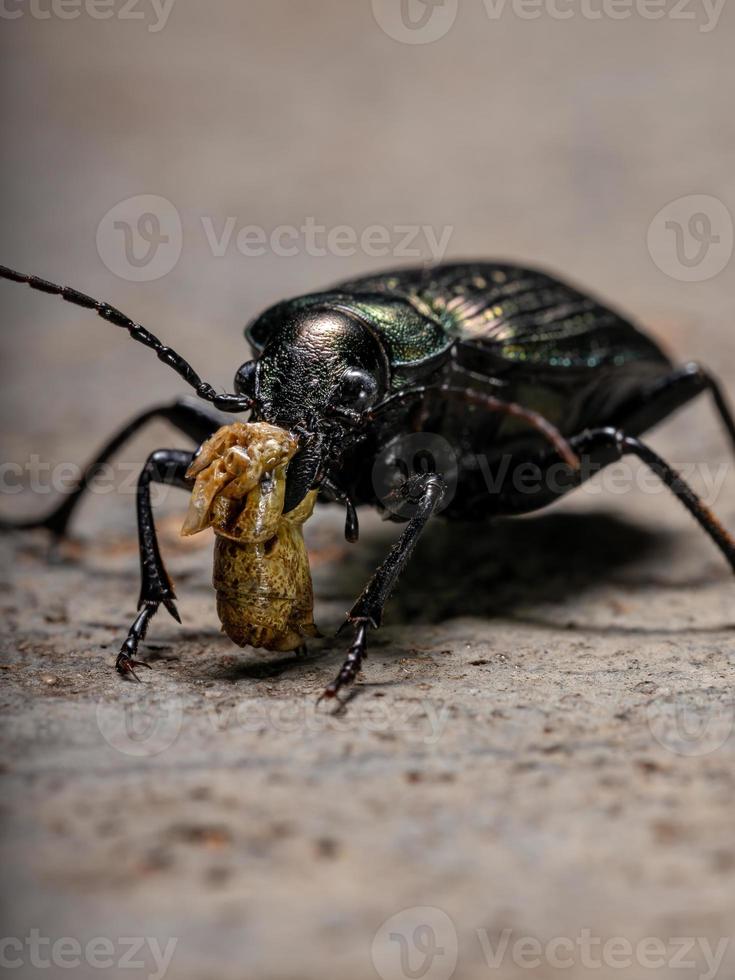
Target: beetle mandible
(506, 364)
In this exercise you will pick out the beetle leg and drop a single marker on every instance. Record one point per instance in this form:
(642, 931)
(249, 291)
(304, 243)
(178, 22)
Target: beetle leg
(608, 445)
(167, 466)
(425, 490)
(672, 393)
(194, 420)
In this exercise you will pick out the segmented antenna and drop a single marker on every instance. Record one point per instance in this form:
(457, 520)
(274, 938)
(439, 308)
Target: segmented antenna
(224, 402)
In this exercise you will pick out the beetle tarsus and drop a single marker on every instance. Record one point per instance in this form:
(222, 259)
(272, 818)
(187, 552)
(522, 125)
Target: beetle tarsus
(126, 662)
(352, 665)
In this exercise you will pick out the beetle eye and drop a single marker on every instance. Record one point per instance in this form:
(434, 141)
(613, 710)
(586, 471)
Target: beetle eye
(356, 391)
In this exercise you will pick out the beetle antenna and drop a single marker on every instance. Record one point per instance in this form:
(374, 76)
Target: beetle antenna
(490, 404)
(224, 402)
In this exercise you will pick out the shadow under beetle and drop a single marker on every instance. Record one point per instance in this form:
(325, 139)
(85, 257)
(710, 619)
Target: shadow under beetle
(511, 367)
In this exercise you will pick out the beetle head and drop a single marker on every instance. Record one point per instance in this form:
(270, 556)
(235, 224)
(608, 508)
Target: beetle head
(318, 375)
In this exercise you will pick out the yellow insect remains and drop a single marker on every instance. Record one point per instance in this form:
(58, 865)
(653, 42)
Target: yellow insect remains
(261, 569)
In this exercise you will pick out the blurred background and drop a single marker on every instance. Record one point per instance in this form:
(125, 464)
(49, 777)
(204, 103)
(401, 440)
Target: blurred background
(192, 163)
(551, 141)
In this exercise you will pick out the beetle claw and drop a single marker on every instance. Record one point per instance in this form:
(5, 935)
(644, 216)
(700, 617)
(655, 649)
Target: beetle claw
(125, 666)
(330, 694)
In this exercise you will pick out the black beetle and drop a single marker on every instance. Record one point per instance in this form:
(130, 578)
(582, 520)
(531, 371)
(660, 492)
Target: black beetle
(508, 366)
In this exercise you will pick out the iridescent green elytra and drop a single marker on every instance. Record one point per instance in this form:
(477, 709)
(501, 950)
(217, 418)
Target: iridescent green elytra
(515, 316)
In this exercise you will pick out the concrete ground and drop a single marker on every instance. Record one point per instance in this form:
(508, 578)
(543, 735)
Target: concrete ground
(541, 741)
(540, 749)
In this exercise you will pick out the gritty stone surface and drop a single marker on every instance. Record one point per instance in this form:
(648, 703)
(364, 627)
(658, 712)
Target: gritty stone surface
(512, 754)
(541, 740)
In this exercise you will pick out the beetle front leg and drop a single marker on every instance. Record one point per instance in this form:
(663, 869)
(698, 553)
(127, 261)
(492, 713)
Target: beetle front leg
(425, 491)
(167, 466)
